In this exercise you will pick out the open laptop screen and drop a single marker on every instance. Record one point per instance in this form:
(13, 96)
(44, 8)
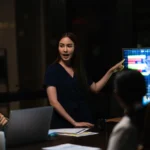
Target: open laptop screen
(28, 125)
(139, 59)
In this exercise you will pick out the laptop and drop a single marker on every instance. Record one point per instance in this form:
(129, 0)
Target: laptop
(28, 125)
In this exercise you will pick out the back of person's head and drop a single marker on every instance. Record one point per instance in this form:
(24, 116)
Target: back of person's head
(130, 86)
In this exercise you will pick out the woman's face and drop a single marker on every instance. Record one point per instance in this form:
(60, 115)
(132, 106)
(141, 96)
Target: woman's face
(66, 49)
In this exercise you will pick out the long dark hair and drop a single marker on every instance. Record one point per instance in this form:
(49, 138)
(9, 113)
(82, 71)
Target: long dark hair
(76, 62)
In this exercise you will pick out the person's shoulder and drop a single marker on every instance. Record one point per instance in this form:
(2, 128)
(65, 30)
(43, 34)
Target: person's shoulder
(123, 136)
(53, 67)
(124, 125)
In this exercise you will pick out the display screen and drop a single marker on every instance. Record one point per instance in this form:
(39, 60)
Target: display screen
(139, 59)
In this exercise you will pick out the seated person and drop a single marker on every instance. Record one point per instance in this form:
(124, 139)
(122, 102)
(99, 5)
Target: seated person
(130, 87)
(3, 121)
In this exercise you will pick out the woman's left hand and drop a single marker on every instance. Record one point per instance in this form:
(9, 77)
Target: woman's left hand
(117, 67)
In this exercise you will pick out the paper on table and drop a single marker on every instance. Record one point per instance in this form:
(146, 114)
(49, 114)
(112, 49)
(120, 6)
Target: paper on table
(68, 130)
(70, 147)
(80, 135)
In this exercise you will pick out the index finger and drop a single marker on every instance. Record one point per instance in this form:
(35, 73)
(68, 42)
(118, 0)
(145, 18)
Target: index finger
(121, 62)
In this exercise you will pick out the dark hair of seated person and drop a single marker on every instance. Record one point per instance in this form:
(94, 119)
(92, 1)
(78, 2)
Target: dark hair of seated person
(130, 86)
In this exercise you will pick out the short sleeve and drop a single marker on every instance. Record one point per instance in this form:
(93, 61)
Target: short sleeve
(50, 78)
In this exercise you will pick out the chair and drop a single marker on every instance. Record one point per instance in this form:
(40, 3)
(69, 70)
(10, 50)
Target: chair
(2, 141)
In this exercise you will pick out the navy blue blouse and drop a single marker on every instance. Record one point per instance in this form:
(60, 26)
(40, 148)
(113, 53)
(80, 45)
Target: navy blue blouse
(69, 94)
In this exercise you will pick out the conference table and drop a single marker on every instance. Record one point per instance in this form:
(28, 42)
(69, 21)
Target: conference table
(97, 140)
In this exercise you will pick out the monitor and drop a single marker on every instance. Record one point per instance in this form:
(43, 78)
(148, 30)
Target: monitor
(139, 59)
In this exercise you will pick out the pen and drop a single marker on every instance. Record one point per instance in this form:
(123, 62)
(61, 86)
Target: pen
(81, 131)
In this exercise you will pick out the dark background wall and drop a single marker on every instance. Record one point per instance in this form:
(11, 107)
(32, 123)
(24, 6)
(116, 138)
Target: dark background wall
(103, 28)
(30, 50)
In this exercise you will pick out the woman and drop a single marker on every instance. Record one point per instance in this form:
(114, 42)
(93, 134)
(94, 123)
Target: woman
(130, 87)
(66, 83)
